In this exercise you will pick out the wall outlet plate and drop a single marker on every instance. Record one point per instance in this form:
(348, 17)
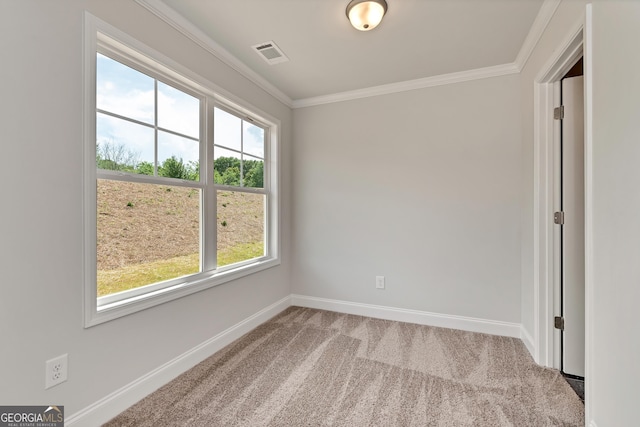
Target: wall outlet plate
(379, 282)
(56, 371)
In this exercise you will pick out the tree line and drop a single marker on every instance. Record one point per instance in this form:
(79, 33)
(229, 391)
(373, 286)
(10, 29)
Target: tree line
(226, 170)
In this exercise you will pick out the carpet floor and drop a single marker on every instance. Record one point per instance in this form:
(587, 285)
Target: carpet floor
(308, 367)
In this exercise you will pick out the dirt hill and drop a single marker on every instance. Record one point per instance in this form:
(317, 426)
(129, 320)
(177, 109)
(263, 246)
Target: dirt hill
(141, 223)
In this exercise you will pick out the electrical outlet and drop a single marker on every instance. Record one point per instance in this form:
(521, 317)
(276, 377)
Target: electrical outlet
(379, 282)
(56, 371)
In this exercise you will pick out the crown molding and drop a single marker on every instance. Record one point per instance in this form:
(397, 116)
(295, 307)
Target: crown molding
(177, 21)
(544, 16)
(546, 12)
(444, 79)
(184, 26)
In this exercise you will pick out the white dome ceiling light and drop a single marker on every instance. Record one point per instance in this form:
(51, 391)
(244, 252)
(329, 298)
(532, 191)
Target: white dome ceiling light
(365, 15)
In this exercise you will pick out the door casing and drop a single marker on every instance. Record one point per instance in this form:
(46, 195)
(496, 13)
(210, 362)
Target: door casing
(546, 242)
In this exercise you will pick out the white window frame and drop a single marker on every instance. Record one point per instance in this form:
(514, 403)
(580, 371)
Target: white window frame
(104, 38)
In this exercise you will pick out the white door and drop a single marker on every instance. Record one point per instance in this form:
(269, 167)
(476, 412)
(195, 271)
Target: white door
(573, 296)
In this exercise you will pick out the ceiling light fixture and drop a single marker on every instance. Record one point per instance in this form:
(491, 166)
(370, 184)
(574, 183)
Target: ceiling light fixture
(365, 15)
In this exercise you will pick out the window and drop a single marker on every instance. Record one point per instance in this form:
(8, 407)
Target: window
(180, 184)
(238, 172)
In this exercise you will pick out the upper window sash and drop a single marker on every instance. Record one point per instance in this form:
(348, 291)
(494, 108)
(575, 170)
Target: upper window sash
(155, 114)
(234, 137)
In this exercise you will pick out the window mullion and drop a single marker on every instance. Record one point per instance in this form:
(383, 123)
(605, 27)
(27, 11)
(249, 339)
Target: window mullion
(181, 135)
(241, 153)
(209, 212)
(155, 126)
(127, 119)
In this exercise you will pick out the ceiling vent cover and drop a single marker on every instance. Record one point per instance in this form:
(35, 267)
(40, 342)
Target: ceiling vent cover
(270, 52)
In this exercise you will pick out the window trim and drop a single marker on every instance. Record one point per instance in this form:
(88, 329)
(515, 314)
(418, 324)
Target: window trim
(100, 36)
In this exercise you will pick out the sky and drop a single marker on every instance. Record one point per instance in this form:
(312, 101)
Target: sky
(129, 93)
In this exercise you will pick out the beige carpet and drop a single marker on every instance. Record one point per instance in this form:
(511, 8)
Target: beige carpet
(309, 367)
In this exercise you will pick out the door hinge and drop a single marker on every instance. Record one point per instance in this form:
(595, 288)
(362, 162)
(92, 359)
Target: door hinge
(558, 218)
(558, 322)
(558, 113)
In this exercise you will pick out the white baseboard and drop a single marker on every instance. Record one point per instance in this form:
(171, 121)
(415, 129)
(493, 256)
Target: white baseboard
(493, 327)
(113, 404)
(592, 424)
(528, 341)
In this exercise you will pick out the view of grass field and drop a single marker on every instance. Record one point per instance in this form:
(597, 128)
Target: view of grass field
(148, 233)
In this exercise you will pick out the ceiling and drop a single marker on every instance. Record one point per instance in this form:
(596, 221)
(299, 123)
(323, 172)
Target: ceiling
(417, 39)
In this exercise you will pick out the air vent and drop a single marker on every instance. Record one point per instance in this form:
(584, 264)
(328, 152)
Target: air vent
(270, 52)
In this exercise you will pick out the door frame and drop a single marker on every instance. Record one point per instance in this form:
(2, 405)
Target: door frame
(546, 92)
(546, 236)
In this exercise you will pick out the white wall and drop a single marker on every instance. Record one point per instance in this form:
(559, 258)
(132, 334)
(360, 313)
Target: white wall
(421, 187)
(615, 344)
(41, 224)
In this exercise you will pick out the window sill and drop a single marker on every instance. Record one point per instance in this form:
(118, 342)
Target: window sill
(137, 303)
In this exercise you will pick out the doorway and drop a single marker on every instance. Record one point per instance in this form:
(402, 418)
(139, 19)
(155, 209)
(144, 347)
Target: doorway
(545, 338)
